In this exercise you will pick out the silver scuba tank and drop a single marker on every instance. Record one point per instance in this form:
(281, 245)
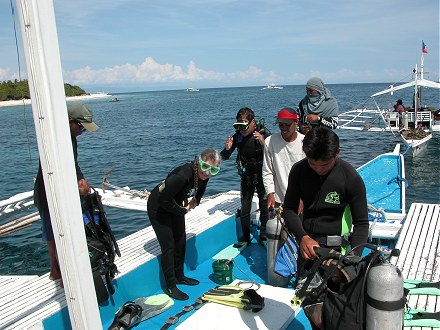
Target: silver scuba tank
(385, 298)
(273, 229)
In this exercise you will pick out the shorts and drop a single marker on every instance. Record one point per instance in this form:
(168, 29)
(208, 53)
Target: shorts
(46, 227)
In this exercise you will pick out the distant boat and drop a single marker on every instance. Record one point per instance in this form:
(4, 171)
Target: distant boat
(272, 86)
(190, 89)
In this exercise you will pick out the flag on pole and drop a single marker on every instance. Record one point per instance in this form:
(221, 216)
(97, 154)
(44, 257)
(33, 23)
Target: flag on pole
(424, 50)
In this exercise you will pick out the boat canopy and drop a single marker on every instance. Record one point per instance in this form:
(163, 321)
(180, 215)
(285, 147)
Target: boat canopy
(420, 82)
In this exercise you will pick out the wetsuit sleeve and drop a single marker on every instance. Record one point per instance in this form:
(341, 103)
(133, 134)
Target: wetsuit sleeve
(300, 110)
(330, 122)
(226, 154)
(291, 204)
(79, 173)
(268, 170)
(359, 211)
(201, 191)
(173, 184)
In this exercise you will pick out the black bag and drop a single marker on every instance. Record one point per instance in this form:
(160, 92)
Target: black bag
(101, 244)
(341, 306)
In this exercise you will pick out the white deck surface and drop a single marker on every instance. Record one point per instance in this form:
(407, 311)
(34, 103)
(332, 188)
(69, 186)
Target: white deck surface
(420, 252)
(26, 301)
(276, 314)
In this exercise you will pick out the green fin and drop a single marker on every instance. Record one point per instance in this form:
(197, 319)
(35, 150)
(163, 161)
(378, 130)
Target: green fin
(422, 287)
(247, 299)
(230, 252)
(134, 312)
(420, 318)
(154, 305)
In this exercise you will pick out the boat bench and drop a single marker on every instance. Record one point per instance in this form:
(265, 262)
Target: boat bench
(26, 301)
(420, 252)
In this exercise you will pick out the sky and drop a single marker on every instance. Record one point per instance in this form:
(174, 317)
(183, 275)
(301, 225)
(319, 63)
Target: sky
(140, 45)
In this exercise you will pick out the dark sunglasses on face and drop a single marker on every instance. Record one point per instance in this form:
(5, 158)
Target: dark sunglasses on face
(80, 126)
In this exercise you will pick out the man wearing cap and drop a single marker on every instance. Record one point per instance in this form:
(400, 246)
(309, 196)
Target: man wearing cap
(80, 120)
(282, 151)
(318, 107)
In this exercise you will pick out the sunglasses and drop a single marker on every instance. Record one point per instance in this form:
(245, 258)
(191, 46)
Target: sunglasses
(205, 167)
(81, 127)
(241, 125)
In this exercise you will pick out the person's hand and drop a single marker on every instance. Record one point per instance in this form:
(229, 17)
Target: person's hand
(312, 118)
(192, 204)
(271, 201)
(259, 137)
(83, 187)
(304, 129)
(300, 207)
(228, 143)
(306, 247)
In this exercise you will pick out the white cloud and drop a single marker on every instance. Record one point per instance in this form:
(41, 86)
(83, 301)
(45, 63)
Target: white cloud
(151, 71)
(7, 74)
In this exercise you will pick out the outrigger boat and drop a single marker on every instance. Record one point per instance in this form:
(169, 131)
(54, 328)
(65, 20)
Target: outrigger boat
(414, 127)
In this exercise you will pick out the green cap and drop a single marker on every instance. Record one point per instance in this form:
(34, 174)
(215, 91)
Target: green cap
(84, 115)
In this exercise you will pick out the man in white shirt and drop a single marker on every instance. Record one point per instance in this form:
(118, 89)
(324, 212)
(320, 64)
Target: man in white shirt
(281, 151)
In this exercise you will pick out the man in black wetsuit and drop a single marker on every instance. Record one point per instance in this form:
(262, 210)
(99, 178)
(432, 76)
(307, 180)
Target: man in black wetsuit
(249, 142)
(80, 120)
(333, 194)
(167, 206)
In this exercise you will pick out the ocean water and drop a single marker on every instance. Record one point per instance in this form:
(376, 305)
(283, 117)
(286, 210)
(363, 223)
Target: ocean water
(147, 134)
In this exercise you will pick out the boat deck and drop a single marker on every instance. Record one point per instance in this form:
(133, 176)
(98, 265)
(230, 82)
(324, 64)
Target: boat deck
(26, 301)
(420, 253)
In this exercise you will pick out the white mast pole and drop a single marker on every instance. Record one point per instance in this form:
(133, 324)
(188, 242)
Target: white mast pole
(416, 96)
(40, 41)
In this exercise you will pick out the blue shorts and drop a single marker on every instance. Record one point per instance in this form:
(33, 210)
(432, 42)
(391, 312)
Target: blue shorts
(46, 227)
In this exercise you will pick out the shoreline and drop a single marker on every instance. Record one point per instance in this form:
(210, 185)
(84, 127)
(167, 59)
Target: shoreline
(14, 103)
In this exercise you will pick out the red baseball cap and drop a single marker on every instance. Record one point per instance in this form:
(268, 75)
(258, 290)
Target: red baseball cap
(287, 115)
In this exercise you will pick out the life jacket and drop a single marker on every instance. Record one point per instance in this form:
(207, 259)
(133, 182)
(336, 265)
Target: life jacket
(101, 244)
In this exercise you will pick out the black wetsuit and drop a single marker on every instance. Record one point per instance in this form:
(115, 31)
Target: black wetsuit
(167, 216)
(325, 199)
(250, 166)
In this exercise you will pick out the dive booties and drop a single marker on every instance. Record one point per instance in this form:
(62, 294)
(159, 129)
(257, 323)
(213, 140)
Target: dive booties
(247, 299)
(187, 281)
(175, 293)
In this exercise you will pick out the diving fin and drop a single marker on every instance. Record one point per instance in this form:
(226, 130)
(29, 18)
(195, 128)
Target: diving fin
(230, 252)
(247, 299)
(422, 287)
(134, 312)
(420, 318)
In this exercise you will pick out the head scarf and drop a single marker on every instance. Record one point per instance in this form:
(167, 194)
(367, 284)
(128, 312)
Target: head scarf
(323, 104)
